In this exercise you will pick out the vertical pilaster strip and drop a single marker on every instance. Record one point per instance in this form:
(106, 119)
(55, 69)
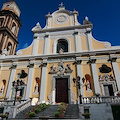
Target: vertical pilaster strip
(116, 72)
(46, 46)
(30, 80)
(95, 76)
(88, 33)
(77, 46)
(35, 46)
(79, 73)
(43, 82)
(12, 76)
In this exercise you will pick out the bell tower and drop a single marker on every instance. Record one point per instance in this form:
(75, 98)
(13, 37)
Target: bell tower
(9, 27)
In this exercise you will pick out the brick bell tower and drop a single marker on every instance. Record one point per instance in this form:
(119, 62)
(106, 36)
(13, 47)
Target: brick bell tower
(9, 27)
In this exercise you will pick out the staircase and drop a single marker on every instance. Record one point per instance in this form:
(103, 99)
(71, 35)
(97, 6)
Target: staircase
(72, 112)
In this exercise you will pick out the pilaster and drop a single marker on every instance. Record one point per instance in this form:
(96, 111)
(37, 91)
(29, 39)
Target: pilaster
(12, 76)
(30, 79)
(77, 41)
(35, 46)
(89, 40)
(43, 81)
(79, 73)
(95, 75)
(46, 44)
(115, 70)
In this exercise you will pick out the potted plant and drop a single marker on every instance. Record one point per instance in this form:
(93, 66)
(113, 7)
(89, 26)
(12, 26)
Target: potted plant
(18, 97)
(32, 114)
(37, 110)
(27, 115)
(62, 113)
(4, 115)
(57, 114)
(86, 115)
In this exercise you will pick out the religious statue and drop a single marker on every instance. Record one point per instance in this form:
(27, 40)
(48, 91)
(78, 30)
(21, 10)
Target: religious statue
(36, 88)
(61, 51)
(4, 52)
(88, 85)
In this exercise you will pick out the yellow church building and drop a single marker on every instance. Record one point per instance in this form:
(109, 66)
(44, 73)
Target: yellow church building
(63, 57)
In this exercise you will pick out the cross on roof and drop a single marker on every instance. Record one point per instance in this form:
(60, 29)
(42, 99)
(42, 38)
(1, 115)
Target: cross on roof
(61, 4)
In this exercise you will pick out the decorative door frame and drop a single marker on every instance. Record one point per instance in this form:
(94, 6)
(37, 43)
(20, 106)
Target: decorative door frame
(71, 95)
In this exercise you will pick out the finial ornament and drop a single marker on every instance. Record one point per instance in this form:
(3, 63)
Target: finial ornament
(61, 4)
(86, 18)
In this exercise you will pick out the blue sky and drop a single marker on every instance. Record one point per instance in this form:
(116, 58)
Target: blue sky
(104, 14)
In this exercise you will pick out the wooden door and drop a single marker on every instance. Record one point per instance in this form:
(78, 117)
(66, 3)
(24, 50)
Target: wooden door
(62, 90)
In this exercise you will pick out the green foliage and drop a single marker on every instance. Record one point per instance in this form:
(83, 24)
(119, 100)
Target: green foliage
(57, 114)
(37, 110)
(32, 114)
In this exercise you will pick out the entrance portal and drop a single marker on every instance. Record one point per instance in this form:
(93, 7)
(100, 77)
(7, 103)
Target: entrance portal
(62, 90)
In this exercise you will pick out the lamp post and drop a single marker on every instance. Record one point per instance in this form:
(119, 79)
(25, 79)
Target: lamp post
(78, 85)
(16, 84)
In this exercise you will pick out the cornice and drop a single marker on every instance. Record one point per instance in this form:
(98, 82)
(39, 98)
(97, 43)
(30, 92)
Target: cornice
(63, 28)
(41, 57)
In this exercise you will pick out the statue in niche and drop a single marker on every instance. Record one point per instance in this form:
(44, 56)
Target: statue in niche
(68, 69)
(37, 85)
(61, 51)
(88, 83)
(53, 69)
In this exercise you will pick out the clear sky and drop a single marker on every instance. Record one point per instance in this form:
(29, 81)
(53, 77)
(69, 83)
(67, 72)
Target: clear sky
(104, 14)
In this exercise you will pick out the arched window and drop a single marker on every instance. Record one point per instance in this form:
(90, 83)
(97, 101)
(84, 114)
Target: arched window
(1, 21)
(9, 47)
(62, 44)
(13, 27)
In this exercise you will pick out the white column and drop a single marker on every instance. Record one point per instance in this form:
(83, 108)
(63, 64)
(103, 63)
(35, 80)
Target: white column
(35, 46)
(89, 39)
(43, 82)
(46, 44)
(95, 76)
(30, 80)
(12, 76)
(77, 43)
(79, 73)
(116, 72)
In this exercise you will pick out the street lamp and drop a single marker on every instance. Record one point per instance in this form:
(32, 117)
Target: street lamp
(78, 85)
(16, 84)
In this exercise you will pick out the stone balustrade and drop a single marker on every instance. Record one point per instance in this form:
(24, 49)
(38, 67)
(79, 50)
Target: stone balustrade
(101, 99)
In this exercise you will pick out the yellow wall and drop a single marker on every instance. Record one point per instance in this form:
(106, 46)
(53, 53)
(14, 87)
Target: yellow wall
(83, 42)
(40, 47)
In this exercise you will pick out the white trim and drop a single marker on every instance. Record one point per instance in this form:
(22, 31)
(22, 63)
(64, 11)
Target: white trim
(35, 46)
(29, 83)
(56, 41)
(53, 90)
(95, 78)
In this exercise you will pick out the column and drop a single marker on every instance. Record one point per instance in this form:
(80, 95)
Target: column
(30, 79)
(46, 44)
(88, 33)
(43, 82)
(78, 46)
(116, 71)
(79, 73)
(95, 76)
(12, 76)
(35, 46)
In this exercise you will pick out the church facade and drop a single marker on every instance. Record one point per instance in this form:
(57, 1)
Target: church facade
(63, 57)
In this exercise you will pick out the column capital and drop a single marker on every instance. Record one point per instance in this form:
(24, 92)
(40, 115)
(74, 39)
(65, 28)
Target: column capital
(43, 64)
(88, 30)
(46, 35)
(91, 61)
(76, 32)
(13, 66)
(31, 65)
(112, 59)
(77, 62)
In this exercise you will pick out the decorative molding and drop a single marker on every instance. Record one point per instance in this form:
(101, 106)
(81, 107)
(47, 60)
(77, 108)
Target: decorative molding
(112, 59)
(91, 61)
(77, 62)
(31, 65)
(13, 66)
